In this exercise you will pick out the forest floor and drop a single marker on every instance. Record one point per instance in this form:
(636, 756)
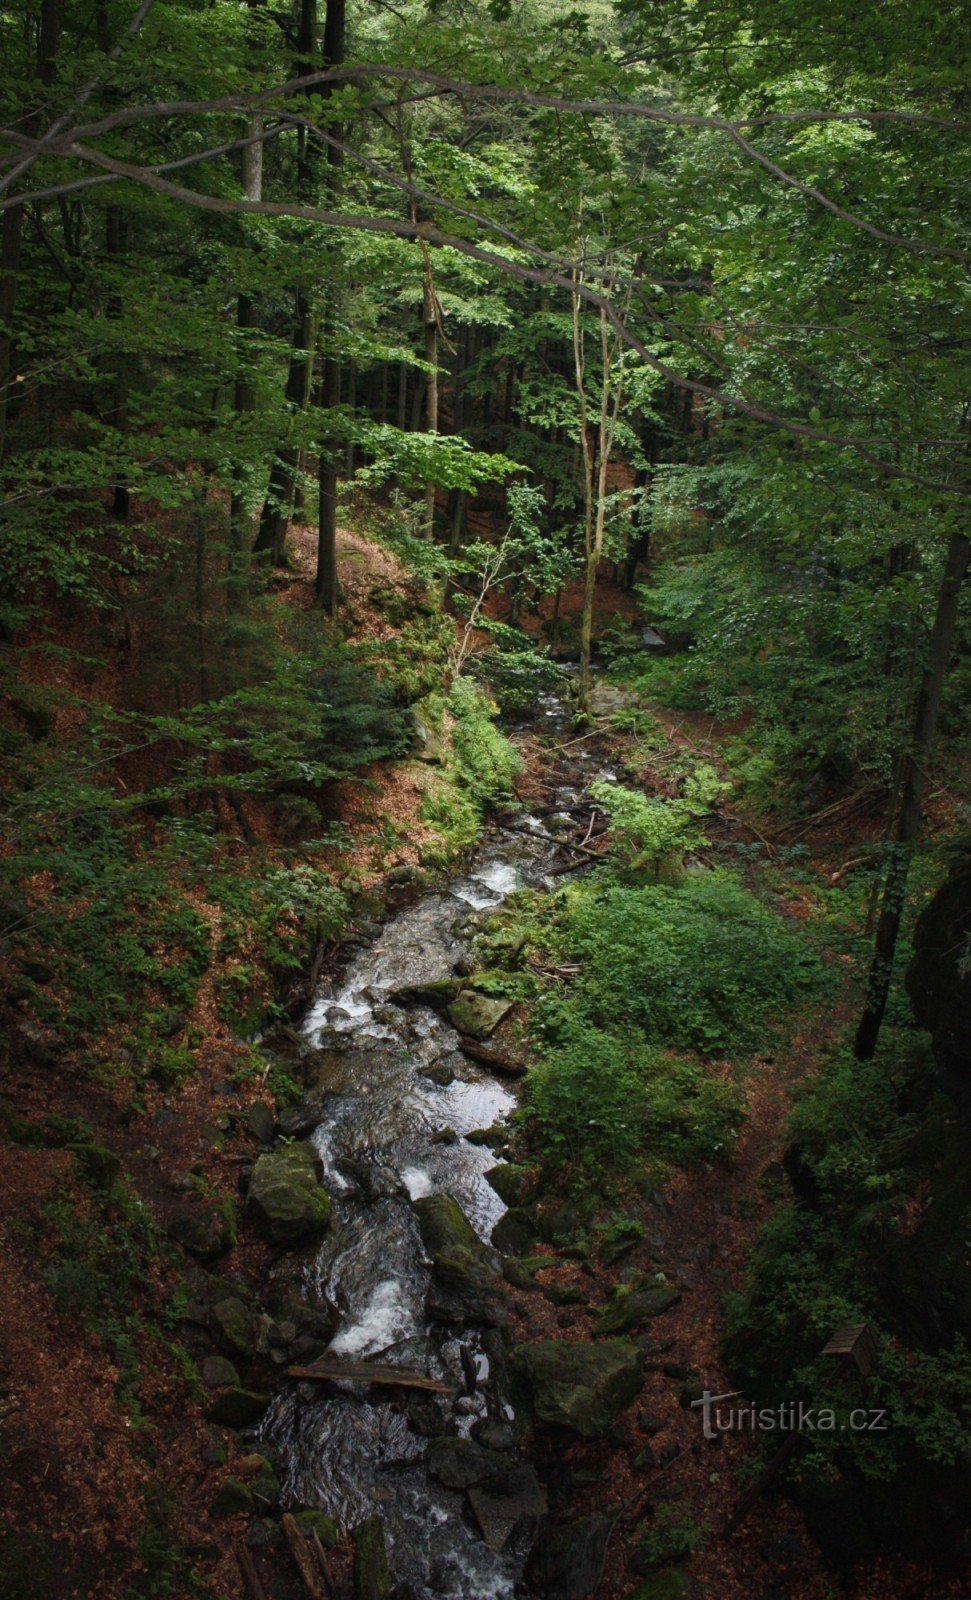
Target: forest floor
(110, 1465)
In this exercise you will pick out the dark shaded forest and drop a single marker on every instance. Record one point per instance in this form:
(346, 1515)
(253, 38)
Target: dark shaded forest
(486, 880)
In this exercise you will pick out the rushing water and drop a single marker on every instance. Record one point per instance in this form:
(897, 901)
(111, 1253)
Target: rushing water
(389, 1135)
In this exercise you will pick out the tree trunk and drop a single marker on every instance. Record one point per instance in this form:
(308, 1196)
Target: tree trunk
(272, 534)
(913, 781)
(48, 44)
(326, 584)
(430, 321)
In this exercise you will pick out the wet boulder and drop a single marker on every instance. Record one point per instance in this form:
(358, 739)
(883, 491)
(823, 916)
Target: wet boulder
(579, 1386)
(465, 1272)
(286, 1199)
(478, 1015)
(516, 1232)
(568, 1558)
(438, 994)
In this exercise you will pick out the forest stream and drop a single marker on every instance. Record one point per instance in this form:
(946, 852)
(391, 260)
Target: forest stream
(398, 1099)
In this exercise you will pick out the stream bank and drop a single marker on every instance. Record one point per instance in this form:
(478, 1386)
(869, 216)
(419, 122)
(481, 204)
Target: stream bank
(408, 1129)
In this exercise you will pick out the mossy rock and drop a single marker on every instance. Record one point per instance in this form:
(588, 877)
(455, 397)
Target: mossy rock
(465, 1271)
(233, 1499)
(218, 1373)
(321, 1524)
(516, 1185)
(231, 1323)
(372, 1579)
(207, 1230)
(478, 1015)
(568, 1558)
(437, 995)
(238, 1408)
(286, 1199)
(516, 1232)
(579, 1386)
(634, 1303)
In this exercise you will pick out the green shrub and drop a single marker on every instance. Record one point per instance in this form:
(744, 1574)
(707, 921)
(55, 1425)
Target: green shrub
(485, 761)
(697, 967)
(601, 1097)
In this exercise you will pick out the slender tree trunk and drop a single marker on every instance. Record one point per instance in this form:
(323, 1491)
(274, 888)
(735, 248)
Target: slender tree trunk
(913, 781)
(326, 584)
(275, 516)
(430, 319)
(48, 45)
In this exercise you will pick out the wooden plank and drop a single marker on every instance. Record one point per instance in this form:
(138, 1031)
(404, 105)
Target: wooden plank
(365, 1372)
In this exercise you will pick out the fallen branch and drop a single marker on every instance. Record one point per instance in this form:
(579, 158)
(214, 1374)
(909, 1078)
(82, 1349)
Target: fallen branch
(250, 1576)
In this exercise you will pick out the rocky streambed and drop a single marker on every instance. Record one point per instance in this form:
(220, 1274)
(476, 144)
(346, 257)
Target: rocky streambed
(403, 1402)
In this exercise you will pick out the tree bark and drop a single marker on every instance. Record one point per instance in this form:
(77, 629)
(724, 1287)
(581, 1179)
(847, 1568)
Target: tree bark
(326, 585)
(275, 516)
(430, 322)
(913, 781)
(48, 44)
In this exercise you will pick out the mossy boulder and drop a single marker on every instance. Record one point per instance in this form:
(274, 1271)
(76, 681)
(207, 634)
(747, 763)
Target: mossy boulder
(478, 1015)
(516, 1232)
(460, 1463)
(286, 1199)
(568, 1558)
(206, 1230)
(231, 1324)
(579, 1386)
(465, 1271)
(372, 1579)
(232, 1499)
(634, 1303)
(438, 995)
(321, 1524)
(516, 1185)
(238, 1408)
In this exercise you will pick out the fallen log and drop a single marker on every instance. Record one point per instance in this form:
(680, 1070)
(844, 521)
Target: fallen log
(504, 1065)
(250, 1576)
(303, 1559)
(324, 1371)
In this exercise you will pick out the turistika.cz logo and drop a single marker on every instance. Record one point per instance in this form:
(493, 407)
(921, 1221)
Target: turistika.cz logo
(790, 1416)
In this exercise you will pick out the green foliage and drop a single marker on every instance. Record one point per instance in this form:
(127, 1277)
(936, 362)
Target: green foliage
(671, 1535)
(698, 967)
(649, 829)
(102, 1259)
(601, 1098)
(485, 761)
(869, 1141)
